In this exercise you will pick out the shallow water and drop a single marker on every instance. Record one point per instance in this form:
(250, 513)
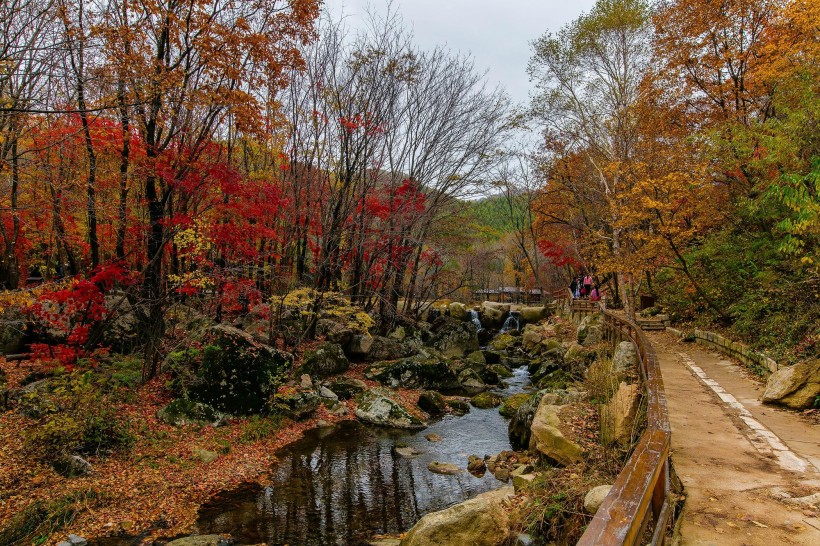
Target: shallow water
(344, 484)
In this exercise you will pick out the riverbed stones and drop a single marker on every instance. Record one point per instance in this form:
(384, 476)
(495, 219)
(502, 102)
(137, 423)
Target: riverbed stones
(378, 408)
(406, 452)
(531, 337)
(486, 400)
(578, 357)
(618, 415)
(523, 481)
(796, 386)
(476, 465)
(548, 439)
(480, 521)
(432, 402)
(433, 437)
(328, 359)
(302, 404)
(448, 469)
(595, 497)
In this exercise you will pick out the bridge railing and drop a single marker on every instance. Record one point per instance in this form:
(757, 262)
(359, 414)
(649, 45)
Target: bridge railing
(640, 495)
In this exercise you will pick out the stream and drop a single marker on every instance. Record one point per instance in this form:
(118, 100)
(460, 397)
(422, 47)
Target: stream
(344, 484)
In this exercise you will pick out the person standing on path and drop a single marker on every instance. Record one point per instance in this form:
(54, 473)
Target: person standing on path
(587, 284)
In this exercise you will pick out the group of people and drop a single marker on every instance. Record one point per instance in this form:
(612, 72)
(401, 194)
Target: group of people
(583, 286)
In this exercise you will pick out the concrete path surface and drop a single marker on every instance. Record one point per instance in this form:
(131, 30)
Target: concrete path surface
(749, 471)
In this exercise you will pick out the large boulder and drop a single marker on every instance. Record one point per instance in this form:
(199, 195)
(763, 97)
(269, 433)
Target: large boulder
(359, 346)
(328, 359)
(480, 521)
(453, 338)
(493, 313)
(486, 400)
(347, 387)
(432, 402)
(471, 381)
(502, 342)
(458, 310)
(797, 386)
(625, 359)
(238, 375)
(416, 372)
(519, 427)
(511, 404)
(334, 331)
(378, 408)
(385, 348)
(618, 415)
(590, 330)
(548, 439)
(531, 315)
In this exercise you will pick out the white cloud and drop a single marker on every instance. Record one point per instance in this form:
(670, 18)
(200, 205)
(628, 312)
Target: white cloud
(497, 34)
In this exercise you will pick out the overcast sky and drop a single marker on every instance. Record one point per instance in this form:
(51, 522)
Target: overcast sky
(498, 34)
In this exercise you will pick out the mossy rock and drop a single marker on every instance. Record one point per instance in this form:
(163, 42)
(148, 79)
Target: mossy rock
(453, 338)
(239, 375)
(511, 404)
(502, 342)
(347, 387)
(477, 357)
(470, 381)
(417, 372)
(186, 412)
(328, 359)
(458, 406)
(486, 400)
(378, 408)
(501, 371)
(432, 402)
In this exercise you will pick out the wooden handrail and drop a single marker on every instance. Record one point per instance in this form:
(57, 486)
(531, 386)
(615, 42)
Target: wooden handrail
(640, 494)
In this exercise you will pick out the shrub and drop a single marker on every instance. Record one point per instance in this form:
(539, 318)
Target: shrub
(259, 428)
(80, 419)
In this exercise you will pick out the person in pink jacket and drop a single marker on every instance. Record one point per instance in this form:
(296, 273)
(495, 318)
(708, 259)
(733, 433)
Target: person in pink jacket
(587, 284)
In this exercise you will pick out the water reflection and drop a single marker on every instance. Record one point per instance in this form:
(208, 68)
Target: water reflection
(343, 485)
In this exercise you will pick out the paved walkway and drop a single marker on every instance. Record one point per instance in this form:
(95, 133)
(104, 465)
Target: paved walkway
(742, 464)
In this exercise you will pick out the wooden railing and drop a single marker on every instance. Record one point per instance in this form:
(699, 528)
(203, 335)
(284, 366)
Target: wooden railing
(640, 494)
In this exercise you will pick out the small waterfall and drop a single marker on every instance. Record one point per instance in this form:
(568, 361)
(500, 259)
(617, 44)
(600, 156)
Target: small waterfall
(476, 319)
(512, 322)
